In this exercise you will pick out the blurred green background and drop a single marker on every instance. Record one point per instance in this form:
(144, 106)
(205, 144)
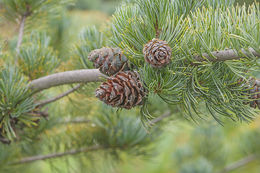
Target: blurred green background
(183, 146)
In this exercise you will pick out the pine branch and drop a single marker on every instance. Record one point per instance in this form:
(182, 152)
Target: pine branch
(229, 54)
(43, 103)
(94, 75)
(239, 163)
(160, 118)
(157, 30)
(43, 114)
(21, 30)
(57, 155)
(78, 120)
(4, 140)
(68, 77)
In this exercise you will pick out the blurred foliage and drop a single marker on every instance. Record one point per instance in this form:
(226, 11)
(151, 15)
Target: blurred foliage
(122, 131)
(246, 1)
(171, 145)
(107, 6)
(36, 57)
(14, 9)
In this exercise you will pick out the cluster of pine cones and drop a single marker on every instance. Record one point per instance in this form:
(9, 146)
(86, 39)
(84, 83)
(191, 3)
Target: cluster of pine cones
(123, 88)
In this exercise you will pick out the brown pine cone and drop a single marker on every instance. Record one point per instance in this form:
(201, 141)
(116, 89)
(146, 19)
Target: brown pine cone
(124, 90)
(109, 60)
(157, 53)
(254, 95)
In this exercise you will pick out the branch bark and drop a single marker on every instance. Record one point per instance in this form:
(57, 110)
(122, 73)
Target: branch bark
(21, 28)
(239, 163)
(160, 118)
(78, 120)
(4, 140)
(223, 55)
(20, 36)
(68, 77)
(43, 103)
(94, 75)
(56, 155)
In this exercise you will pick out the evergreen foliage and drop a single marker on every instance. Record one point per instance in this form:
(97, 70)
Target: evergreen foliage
(31, 8)
(90, 39)
(204, 30)
(36, 57)
(16, 102)
(192, 83)
(122, 131)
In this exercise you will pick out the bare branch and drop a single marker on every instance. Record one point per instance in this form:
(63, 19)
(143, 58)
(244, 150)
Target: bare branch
(56, 155)
(160, 118)
(78, 120)
(43, 114)
(21, 28)
(20, 36)
(68, 77)
(4, 140)
(239, 163)
(43, 103)
(229, 54)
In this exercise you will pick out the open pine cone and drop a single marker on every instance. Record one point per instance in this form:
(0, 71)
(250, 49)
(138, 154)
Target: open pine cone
(157, 53)
(109, 60)
(124, 90)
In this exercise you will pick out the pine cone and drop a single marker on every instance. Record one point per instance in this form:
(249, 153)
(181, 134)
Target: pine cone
(109, 60)
(254, 95)
(157, 53)
(123, 90)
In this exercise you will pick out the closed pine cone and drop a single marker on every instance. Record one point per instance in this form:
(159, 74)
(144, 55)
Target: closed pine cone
(124, 90)
(157, 53)
(108, 60)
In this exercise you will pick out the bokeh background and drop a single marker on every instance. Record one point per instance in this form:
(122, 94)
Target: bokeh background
(183, 146)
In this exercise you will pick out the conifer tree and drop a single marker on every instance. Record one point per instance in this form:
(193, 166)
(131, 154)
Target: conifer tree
(191, 58)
